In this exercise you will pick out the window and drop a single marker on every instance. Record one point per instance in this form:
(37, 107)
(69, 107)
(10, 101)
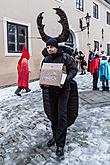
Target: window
(17, 37)
(96, 45)
(108, 49)
(108, 18)
(80, 5)
(95, 11)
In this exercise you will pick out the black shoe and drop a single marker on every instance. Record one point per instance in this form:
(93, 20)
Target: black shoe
(104, 88)
(51, 142)
(95, 89)
(81, 74)
(107, 88)
(60, 152)
(18, 94)
(28, 90)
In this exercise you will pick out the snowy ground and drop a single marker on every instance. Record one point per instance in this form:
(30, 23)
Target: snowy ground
(25, 130)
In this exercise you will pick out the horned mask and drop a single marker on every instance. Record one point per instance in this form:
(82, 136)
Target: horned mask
(63, 21)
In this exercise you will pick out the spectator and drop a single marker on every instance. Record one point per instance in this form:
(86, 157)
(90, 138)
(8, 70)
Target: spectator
(104, 73)
(94, 70)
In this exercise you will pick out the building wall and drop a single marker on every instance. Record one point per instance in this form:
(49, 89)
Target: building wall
(26, 11)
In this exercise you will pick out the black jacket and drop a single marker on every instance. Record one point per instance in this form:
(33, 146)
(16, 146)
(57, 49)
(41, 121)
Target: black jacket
(67, 60)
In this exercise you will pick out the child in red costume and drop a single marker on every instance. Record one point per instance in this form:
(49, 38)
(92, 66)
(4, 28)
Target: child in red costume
(23, 72)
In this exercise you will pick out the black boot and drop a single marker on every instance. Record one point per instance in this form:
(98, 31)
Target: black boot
(60, 152)
(17, 92)
(51, 142)
(28, 90)
(104, 88)
(95, 89)
(107, 88)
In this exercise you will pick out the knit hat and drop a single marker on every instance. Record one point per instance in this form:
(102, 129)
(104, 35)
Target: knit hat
(52, 42)
(97, 55)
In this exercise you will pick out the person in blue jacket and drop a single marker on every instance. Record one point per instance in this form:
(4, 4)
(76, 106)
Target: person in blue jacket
(104, 73)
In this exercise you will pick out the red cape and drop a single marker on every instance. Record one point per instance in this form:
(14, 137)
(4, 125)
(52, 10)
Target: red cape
(23, 70)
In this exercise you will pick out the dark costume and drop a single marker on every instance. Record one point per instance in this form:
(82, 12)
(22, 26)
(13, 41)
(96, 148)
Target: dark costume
(61, 104)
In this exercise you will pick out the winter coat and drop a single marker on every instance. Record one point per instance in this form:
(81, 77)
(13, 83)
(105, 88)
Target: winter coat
(94, 65)
(67, 60)
(104, 70)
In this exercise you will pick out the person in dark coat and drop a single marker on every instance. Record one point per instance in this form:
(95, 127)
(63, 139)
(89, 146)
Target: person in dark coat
(83, 63)
(57, 102)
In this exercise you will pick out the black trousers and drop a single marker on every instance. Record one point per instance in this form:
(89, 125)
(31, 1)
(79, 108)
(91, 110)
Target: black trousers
(104, 82)
(95, 79)
(58, 103)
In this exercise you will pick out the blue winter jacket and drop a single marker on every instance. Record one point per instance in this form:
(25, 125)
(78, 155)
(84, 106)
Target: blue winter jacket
(104, 69)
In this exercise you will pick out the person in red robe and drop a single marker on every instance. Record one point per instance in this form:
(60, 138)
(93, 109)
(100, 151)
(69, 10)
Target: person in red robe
(94, 70)
(23, 72)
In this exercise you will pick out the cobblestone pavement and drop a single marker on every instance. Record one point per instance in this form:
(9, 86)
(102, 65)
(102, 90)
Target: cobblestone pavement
(25, 130)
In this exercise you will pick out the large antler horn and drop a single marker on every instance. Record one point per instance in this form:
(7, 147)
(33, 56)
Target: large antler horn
(65, 26)
(41, 28)
(63, 21)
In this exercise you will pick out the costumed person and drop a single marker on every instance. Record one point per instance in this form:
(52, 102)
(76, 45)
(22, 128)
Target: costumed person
(104, 73)
(60, 103)
(94, 70)
(23, 72)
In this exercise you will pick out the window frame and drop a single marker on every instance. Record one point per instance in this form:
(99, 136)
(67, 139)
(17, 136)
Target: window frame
(16, 36)
(107, 21)
(78, 3)
(96, 46)
(108, 52)
(5, 24)
(96, 16)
